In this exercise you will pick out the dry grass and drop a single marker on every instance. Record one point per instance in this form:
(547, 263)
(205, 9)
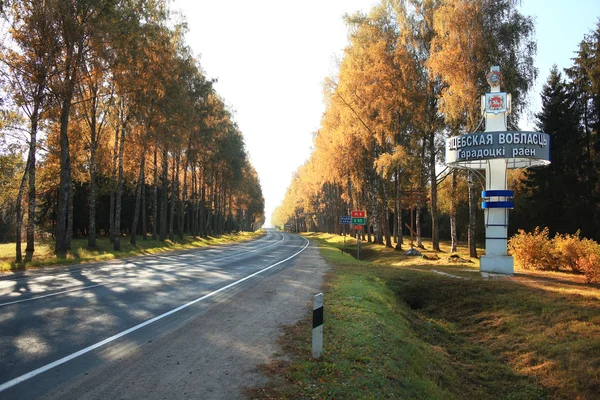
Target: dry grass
(531, 336)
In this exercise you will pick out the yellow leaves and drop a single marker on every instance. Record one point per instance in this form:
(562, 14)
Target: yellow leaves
(459, 56)
(386, 163)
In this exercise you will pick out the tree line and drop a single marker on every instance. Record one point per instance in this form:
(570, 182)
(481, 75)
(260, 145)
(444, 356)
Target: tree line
(411, 76)
(565, 197)
(120, 125)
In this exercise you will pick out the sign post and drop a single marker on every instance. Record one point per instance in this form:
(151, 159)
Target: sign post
(359, 218)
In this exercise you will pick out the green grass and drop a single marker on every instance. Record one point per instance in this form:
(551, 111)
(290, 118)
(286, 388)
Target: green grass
(396, 329)
(44, 251)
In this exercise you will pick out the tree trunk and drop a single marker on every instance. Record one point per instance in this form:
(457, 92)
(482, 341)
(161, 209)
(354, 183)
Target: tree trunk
(69, 235)
(138, 198)
(435, 229)
(203, 215)
(218, 206)
(212, 207)
(63, 241)
(385, 215)
(111, 211)
(174, 196)
(453, 234)
(155, 197)
(208, 212)
(117, 244)
(396, 196)
(64, 186)
(418, 224)
(192, 218)
(472, 218)
(144, 218)
(164, 195)
(182, 202)
(29, 250)
(399, 238)
(92, 193)
(419, 199)
(19, 212)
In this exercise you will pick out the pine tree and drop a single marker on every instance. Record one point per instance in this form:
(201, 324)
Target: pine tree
(556, 194)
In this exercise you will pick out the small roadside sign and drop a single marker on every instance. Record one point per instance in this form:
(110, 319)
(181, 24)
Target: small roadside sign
(359, 217)
(358, 227)
(345, 220)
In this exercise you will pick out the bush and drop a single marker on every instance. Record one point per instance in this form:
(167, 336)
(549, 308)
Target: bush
(568, 249)
(533, 250)
(589, 264)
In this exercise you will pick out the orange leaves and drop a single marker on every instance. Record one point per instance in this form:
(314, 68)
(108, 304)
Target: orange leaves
(459, 56)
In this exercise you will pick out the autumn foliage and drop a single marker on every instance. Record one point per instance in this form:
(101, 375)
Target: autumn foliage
(410, 76)
(564, 252)
(122, 132)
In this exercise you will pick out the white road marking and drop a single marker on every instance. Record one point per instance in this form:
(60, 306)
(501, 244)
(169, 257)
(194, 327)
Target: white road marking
(81, 352)
(56, 294)
(110, 282)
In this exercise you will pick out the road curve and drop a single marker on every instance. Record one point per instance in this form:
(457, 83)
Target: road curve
(70, 334)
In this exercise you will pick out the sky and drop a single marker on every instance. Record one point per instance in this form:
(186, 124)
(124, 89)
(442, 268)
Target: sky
(271, 57)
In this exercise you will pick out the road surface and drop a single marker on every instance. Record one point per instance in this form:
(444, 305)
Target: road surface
(184, 325)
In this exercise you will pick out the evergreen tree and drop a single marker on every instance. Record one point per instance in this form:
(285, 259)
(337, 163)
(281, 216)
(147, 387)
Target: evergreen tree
(585, 83)
(556, 195)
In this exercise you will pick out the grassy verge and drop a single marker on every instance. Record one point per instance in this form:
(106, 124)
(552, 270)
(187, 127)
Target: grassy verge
(44, 251)
(396, 329)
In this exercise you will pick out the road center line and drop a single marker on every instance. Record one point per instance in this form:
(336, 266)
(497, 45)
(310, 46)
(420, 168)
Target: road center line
(81, 352)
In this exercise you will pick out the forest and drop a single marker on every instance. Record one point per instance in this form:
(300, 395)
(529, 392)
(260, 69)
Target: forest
(110, 128)
(412, 76)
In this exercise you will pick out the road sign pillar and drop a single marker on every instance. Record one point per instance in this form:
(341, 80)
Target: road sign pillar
(495, 151)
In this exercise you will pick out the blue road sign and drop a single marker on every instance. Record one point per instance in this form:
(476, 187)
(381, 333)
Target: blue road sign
(345, 220)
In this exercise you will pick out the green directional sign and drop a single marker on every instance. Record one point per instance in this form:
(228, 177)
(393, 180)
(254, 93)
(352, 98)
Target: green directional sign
(359, 221)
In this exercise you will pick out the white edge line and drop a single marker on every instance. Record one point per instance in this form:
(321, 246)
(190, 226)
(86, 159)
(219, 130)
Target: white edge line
(81, 352)
(111, 282)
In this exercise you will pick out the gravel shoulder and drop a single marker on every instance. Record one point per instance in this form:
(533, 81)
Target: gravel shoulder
(213, 353)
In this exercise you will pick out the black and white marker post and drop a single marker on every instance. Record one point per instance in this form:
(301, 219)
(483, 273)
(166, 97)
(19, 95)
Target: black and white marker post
(317, 332)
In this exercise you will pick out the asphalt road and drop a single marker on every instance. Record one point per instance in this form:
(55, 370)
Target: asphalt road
(184, 325)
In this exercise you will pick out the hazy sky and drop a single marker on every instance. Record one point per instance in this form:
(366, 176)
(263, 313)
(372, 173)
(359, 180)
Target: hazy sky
(271, 57)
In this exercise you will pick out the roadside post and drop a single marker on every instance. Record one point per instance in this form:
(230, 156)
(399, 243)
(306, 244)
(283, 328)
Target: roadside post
(359, 219)
(358, 228)
(317, 332)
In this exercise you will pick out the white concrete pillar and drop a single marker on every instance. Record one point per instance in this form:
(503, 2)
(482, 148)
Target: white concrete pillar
(496, 219)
